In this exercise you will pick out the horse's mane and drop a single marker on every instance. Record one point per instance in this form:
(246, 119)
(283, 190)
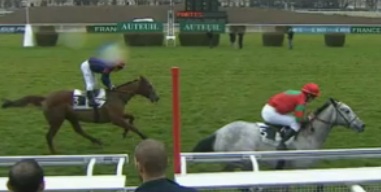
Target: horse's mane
(129, 82)
(323, 107)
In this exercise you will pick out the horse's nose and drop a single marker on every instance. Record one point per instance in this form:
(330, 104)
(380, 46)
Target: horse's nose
(361, 127)
(156, 99)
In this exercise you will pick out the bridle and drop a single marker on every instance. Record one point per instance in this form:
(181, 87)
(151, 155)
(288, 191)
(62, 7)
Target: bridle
(337, 114)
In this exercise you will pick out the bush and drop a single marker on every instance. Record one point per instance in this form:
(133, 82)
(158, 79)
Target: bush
(198, 39)
(334, 39)
(273, 39)
(281, 29)
(144, 39)
(46, 36)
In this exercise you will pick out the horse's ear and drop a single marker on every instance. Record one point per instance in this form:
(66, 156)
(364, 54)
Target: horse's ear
(142, 78)
(333, 101)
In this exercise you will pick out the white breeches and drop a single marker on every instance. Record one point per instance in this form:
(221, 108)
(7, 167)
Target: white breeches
(88, 76)
(270, 115)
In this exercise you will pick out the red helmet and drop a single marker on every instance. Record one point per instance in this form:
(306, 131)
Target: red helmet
(311, 88)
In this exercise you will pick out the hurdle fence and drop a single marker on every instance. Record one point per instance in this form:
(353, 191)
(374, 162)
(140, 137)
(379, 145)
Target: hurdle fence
(351, 177)
(250, 28)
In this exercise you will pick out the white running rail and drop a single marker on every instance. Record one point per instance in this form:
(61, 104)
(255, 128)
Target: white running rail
(350, 176)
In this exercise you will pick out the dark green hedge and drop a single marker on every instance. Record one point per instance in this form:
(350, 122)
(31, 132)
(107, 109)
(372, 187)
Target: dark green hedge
(46, 36)
(274, 39)
(334, 39)
(144, 39)
(198, 39)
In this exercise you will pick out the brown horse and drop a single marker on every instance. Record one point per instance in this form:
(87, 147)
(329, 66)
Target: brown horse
(58, 107)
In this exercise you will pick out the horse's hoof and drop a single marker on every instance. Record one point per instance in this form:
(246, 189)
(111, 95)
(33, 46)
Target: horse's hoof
(98, 142)
(6, 104)
(131, 121)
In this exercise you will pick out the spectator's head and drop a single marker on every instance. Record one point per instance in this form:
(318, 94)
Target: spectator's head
(151, 159)
(26, 176)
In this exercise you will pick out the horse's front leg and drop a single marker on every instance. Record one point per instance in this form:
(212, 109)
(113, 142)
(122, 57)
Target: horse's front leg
(119, 120)
(130, 117)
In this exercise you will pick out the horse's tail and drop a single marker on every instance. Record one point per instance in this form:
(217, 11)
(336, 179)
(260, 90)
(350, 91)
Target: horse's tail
(24, 101)
(206, 144)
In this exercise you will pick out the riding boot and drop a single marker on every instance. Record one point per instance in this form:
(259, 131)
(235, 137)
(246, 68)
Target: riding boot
(287, 134)
(92, 103)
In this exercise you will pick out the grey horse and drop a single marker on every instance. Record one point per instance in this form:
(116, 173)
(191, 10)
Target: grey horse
(258, 136)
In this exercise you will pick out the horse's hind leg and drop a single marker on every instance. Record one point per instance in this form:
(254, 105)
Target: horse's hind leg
(78, 129)
(130, 118)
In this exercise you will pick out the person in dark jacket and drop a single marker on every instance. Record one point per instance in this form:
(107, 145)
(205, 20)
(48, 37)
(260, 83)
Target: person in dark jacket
(26, 176)
(151, 161)
(210, 36)
(240, 39)
(232, 37)
(290, 37)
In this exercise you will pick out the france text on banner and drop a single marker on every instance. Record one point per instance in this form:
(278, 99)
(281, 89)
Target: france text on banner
(320, 29)
(112, 28)
(365, 29)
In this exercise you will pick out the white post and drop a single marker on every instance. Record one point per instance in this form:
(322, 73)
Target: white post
(254, 163)
(357, 188)
(170, 37)
(183, 168)
(28, 33)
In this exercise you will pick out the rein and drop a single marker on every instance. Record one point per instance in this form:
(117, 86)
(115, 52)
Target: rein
(122, 92)
(119, 86)
(330, 123)
(115, 90)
